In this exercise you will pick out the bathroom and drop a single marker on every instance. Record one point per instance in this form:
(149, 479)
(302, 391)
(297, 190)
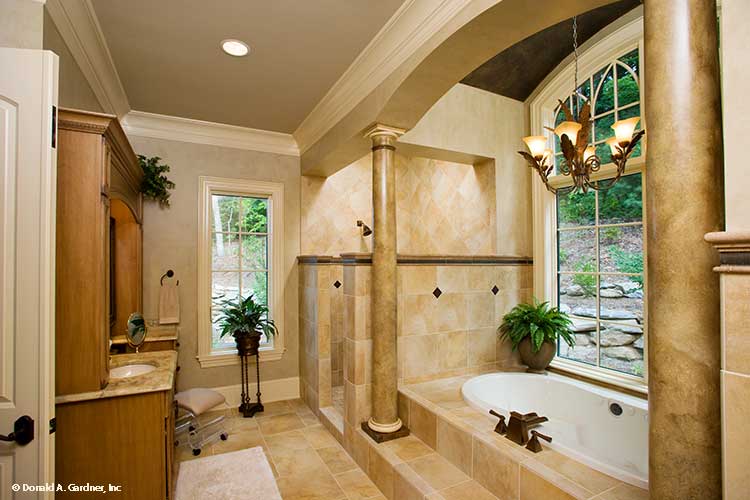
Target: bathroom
(351, 188)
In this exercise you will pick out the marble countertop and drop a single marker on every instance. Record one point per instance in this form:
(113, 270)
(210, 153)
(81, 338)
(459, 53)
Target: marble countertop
(160, 379)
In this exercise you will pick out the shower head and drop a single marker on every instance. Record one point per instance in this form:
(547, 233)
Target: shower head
(366, 231)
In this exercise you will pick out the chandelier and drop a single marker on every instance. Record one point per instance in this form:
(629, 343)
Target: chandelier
(580, 159)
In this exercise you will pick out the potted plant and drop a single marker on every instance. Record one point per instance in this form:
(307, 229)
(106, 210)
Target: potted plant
(155, 185)
(246, 320)
(533, 329)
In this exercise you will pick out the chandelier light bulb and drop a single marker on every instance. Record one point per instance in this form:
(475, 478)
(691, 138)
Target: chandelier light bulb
(613, 146)
(570, 129)
(588, 153)
(536, 144)
(624, 130)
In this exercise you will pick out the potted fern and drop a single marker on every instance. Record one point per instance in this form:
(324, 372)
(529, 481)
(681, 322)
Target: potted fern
(534, 329)
(246, 320)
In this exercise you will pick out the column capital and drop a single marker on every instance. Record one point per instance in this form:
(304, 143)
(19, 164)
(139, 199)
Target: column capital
(378, 129)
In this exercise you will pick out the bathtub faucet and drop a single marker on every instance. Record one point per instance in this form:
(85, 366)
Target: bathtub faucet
(519, 426)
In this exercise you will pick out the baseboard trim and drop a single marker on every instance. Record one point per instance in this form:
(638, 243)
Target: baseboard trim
(271, 390)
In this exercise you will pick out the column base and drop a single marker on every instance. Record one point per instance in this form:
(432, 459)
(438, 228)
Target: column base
(381, 437)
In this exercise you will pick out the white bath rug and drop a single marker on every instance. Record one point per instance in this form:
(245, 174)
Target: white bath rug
(243, 474)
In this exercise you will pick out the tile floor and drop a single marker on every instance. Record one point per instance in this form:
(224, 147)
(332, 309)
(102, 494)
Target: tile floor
(306, 459)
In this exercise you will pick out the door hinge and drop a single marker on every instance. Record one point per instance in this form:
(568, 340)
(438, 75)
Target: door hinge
(52, 425)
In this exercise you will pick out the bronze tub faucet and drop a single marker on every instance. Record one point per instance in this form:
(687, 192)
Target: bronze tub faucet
(517, 429)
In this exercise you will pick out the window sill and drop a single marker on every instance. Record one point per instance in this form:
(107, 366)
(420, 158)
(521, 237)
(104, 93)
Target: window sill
(622, 382)
(231, 358)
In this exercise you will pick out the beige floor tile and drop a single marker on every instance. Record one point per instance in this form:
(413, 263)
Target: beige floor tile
(310, 486)
(469, 490)
(275, 408)
(408, 448)
(594, 481)
(301, 462)
(337, 459)
(380, 471)
(357, 485)
(408, 485)
(624, 492)
(280, 423)
(238, 424)
(533, 487)
(494, 470)
(454, 444)
(185, 453)
(287, 443)
(423, 424)
(319, 437)
(309, 419)
(437, 471)
(238, 441)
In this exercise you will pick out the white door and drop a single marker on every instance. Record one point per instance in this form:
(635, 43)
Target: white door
(28, 100)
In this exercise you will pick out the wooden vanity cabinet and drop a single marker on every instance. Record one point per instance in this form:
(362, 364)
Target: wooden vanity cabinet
(126, 441)
(95, 165)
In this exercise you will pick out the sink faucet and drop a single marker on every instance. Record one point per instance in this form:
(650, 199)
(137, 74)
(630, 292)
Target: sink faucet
(519, 425)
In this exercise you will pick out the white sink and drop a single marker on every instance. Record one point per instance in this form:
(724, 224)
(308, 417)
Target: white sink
(131, 370)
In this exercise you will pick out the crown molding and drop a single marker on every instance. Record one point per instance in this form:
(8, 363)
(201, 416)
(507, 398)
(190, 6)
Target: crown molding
(404, 33)
(142, 124)
(80, 30)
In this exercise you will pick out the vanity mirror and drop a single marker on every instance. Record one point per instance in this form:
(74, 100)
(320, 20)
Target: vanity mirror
(136, 333)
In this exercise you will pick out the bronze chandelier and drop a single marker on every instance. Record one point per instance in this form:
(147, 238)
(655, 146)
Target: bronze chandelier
(580, 158)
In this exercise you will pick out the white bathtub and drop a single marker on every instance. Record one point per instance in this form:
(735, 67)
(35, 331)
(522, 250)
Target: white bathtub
(581, 423)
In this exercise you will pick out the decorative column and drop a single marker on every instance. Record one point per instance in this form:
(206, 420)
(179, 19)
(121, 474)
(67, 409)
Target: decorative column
(384, 423)
(684, 194)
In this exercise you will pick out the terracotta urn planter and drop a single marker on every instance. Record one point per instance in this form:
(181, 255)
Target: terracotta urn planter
(247, 345)
(537, 361)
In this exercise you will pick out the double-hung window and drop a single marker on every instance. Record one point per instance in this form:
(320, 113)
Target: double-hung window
(240, 255)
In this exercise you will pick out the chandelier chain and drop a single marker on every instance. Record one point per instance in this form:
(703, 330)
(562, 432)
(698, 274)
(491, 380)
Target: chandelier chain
(575, 58)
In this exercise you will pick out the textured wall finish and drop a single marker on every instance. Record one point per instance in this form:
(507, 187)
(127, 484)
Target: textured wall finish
(75, 92)
(684, 160)
(735, 39)
(441, 208)
(21, 24)
(170, 242)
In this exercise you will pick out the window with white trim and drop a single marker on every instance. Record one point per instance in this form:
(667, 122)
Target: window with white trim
(240, 253)
(589, 251)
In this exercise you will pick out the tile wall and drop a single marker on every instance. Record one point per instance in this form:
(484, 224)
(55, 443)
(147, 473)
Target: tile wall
(441, 208)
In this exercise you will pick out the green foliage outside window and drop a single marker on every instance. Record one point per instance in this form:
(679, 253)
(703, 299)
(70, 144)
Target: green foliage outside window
(628, 262)
(585, 281)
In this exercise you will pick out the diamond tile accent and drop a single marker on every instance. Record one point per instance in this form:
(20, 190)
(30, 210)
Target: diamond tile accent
(437, 293)
(337, 284)
(495, 289)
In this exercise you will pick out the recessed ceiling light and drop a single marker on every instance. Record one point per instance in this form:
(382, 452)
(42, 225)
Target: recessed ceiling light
(235, 48)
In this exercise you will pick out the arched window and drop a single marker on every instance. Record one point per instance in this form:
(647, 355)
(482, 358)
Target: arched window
(589, 255)
(616, 95)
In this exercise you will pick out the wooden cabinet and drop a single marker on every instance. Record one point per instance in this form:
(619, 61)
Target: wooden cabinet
(126, 441)
(97, 175)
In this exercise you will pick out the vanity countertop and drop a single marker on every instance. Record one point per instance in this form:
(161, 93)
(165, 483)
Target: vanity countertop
(160, 379)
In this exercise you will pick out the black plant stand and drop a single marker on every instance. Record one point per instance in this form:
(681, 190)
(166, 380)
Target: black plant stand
(247, 408)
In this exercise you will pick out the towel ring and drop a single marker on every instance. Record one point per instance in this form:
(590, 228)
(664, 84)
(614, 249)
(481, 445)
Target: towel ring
(168, 274)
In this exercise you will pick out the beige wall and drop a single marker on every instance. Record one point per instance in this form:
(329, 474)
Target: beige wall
(441, 208)
(21, 24)
(735, 40)
(473, 121)
(74, 91)
(170, 242)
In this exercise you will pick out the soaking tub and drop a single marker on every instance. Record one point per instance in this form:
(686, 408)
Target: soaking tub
(604, 429)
